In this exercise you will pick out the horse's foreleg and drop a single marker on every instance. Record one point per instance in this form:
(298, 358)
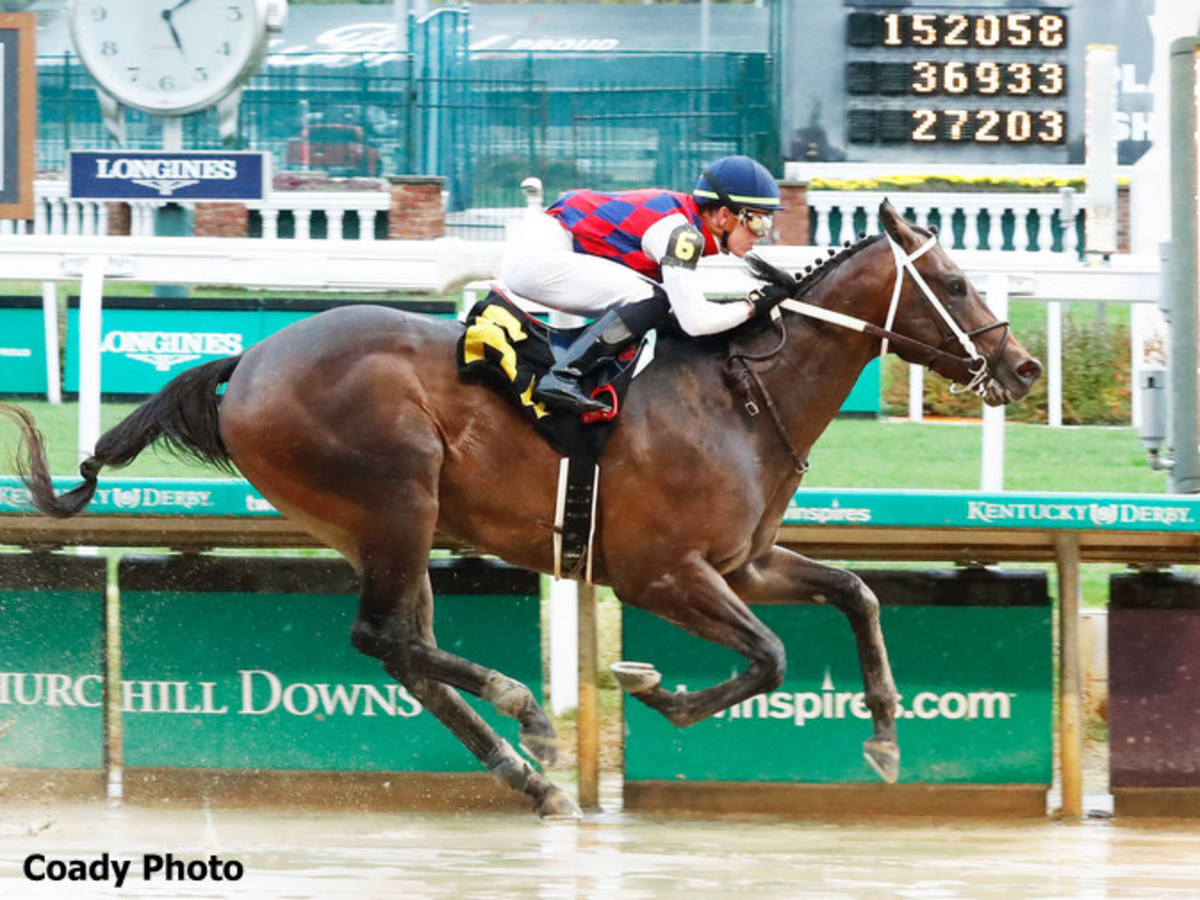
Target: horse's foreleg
(782, 576)
(697, 599)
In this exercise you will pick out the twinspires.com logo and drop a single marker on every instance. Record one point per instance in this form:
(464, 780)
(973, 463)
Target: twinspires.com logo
(801, 707)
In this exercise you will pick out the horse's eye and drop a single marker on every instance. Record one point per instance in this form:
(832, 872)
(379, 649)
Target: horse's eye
(958, 287)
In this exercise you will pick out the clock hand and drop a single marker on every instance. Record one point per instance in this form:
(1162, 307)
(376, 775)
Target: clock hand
(166, 14)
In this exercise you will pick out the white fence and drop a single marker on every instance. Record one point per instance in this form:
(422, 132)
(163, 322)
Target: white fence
(439, 265)
(1040, 211)
(339, 208)
(1034, 216)
(57, 213)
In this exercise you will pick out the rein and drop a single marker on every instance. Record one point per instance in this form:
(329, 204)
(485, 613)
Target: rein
(975, 369)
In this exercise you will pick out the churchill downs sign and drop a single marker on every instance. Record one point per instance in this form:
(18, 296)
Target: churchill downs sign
(246, 663)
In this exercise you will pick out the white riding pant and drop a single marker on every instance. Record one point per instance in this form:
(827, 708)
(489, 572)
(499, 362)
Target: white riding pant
(540, 264)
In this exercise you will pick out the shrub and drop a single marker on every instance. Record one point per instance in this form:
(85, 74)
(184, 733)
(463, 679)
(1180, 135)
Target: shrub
(949, 183)
(1096, 380)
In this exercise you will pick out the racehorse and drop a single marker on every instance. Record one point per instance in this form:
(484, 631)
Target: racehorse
(356, 424)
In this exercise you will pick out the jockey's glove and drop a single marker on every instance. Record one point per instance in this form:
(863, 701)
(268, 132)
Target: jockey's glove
(767, 297)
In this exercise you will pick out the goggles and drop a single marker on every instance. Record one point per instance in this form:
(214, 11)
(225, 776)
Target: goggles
(757, 223)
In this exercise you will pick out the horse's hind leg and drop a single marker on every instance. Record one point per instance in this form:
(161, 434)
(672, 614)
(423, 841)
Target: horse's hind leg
(507, 695)
(394, 624)
(488, 747)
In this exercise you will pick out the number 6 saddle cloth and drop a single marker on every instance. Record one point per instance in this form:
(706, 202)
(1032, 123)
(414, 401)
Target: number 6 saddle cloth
(509, 350)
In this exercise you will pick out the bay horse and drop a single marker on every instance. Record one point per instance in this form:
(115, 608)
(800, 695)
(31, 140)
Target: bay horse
(356, 424)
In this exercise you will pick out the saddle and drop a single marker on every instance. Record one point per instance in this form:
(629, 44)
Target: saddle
(509, 350)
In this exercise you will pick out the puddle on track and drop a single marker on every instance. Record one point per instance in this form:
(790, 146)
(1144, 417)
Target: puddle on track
(292, 854)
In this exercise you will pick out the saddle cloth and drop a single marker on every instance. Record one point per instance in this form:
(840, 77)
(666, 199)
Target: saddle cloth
(508, 349)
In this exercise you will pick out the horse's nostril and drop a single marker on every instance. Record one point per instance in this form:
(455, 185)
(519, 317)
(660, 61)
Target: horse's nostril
(1029, 371)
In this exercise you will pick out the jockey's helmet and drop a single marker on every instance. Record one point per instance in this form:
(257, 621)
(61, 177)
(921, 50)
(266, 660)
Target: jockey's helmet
(738, 182)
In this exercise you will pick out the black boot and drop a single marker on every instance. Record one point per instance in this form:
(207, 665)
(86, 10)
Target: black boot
(600, 341)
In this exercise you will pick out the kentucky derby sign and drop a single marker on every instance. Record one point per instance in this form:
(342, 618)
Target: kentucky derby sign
(152, 175)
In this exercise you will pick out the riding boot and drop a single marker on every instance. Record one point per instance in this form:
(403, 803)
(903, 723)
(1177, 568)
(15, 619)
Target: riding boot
(601, 341)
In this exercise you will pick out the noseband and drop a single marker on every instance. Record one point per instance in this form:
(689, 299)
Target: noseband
(973, 371)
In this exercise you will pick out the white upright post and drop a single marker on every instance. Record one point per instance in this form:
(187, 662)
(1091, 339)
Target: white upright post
(1054, 363)
(916, 393)
(564, 595)
(1100, 158)
(564, 646)
(50, 322)
(992, 463)
(172, 130)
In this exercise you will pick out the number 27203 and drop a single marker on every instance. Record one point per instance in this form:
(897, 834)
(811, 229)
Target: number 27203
(989, 126)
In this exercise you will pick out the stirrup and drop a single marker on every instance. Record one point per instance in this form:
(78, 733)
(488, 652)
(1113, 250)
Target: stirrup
(561, 393)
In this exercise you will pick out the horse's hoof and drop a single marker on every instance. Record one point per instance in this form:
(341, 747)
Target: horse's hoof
(884, 758)
(541, 747)
(636, 677)
(556, 804)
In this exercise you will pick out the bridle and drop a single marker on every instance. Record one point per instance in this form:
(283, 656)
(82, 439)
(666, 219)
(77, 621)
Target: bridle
(973, 372)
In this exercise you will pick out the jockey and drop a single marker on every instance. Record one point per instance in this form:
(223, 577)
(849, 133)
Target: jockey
(629, 260)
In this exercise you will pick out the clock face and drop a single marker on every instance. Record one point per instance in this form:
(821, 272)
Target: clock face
(169, 56)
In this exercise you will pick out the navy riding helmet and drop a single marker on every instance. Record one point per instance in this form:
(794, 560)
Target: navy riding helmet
(738, 182)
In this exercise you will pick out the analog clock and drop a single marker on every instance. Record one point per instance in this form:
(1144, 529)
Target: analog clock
(172, 57)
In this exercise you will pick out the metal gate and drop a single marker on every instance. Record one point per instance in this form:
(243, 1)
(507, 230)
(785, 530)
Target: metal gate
(440, 109)
(484, 121)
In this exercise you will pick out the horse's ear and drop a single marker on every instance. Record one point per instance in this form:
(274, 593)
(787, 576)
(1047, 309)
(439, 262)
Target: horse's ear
(895, 224)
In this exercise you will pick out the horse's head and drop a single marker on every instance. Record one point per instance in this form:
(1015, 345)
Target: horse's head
(944, 323)
(908, 294)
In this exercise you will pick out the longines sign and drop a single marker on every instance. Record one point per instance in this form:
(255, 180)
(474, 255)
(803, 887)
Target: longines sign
(153, 175)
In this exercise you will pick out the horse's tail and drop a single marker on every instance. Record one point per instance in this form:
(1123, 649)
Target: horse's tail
(183, 416)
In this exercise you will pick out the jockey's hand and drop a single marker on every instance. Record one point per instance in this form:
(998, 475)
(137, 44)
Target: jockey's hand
(767, 297)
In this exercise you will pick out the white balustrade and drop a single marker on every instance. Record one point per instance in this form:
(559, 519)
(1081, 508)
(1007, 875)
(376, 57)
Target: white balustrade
(833, 214)
(337, 206)
(55, 212)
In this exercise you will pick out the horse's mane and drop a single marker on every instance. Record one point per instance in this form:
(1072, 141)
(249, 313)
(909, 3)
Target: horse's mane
(802, 283)
(814, 274)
